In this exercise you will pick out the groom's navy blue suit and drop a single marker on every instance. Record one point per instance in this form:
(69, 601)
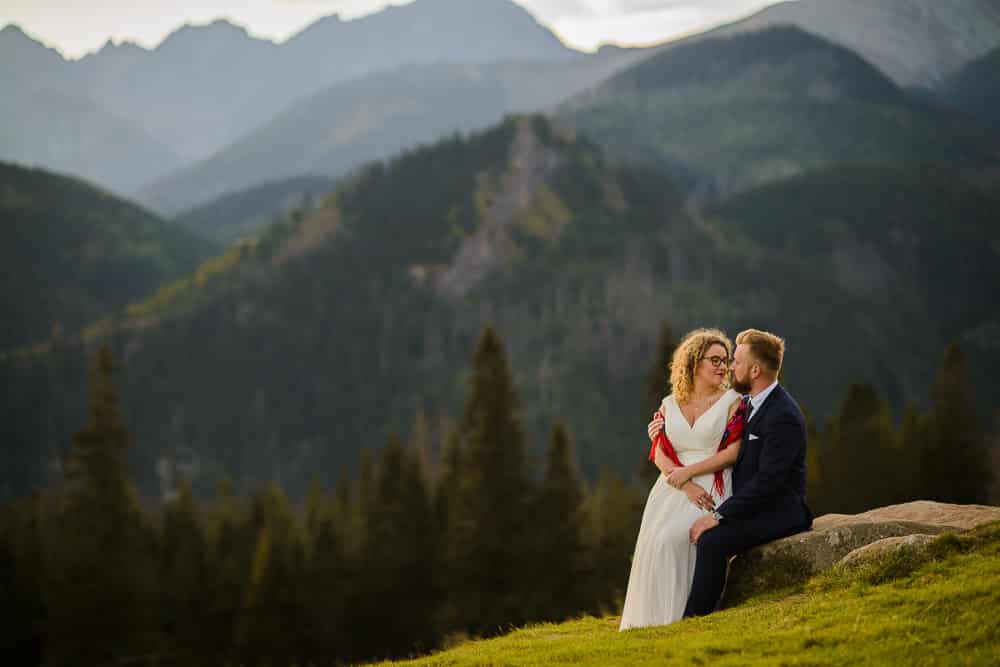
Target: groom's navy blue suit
(768, 500)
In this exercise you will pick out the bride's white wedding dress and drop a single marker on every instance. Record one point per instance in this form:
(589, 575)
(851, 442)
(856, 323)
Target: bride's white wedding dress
(663, 562)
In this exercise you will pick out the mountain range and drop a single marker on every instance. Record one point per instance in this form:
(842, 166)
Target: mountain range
(179, 112)
(204, 86)
(724, 114)
(772, 178)
(913, 42)
(973, 89)
(338, 326)
(376, 116)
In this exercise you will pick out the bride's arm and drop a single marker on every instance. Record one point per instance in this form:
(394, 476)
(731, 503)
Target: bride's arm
(724, 459)
(661, 460)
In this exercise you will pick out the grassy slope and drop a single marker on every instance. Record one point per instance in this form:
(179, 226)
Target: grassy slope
(938, 609)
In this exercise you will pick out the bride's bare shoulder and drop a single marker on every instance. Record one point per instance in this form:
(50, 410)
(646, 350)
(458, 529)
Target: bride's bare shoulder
(734, 401)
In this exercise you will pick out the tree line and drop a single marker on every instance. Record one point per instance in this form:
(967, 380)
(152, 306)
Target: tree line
(417, 552)
(413, 554)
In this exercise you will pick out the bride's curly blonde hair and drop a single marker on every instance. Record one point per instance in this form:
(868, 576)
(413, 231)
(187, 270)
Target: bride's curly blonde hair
(689, 352)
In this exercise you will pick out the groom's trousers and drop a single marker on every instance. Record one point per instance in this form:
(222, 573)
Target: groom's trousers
(715, 547)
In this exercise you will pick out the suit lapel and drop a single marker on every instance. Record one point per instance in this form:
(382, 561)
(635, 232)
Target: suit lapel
(755, 419)
(768, 402)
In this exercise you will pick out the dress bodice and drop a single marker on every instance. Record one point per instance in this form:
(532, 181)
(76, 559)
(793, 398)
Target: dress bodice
(694, 443)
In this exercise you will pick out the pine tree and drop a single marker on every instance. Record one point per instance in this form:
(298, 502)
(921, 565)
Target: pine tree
(612, 513)
(23, 613)
(184, 569)
(419, 445)
(448, 481)
(955, 464)
(271, 622)
(231, 544)
(446, 499)
(858, 453)
(911, 439)
(489, 537)
(658, 381)
(96, 463)
(425, 568)
(101, 574)
(815, 491)
(560, 587)
(657, 386)
(326, 590)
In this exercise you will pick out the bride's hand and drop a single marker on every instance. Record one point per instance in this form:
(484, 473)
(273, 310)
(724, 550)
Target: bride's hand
(678, 478)
(699, 496)
(655, 426)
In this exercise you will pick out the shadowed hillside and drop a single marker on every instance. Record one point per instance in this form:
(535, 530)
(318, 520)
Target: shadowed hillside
(730, 113)
(914, 42)
(975, 89)
(284, 357)
(73, 253)
(246, 212)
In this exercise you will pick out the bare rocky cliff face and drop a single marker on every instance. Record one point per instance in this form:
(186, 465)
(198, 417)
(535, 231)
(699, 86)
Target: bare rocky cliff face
(500, 205)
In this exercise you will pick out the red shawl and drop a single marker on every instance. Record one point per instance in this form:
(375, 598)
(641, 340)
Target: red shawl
(733, 433)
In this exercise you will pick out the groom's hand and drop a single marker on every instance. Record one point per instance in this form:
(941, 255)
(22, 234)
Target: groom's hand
(707, 522)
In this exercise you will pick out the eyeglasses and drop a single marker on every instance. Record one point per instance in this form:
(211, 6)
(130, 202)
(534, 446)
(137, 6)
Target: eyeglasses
(717, 361)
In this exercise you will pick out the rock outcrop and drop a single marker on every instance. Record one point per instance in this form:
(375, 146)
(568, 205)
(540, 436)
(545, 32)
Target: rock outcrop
(848, 539)
(916, 542)
(958, 517)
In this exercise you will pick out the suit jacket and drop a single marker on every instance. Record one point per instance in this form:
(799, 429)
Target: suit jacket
(769, 478)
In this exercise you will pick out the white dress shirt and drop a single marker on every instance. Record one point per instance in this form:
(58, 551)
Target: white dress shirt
(758, 400)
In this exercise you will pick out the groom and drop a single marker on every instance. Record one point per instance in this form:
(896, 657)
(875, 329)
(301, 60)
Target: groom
(769, 478)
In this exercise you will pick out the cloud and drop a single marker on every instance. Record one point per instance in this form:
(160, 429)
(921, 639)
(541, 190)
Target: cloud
(637, 21)
(617, 9)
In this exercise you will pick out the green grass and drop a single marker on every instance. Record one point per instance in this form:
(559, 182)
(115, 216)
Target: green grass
(936, 608)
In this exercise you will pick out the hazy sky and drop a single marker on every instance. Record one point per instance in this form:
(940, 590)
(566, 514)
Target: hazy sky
(78, 26)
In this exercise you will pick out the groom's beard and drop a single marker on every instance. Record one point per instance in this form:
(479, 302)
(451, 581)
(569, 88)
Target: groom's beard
(740, 386)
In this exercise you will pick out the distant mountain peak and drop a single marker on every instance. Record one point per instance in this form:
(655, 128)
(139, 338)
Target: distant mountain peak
(912, 41)
(12, 29)
(124, 46)
(785, 55)
(219, 28)
(16, 44)
(495, 21)
(15, 34)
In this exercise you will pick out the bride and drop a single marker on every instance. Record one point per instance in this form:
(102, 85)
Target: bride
(694, 417)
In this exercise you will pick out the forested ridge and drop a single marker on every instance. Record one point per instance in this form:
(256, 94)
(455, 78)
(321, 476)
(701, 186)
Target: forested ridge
(286, 356)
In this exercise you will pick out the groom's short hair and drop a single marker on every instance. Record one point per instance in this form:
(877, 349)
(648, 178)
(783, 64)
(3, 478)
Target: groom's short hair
(765, 347)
